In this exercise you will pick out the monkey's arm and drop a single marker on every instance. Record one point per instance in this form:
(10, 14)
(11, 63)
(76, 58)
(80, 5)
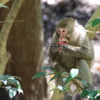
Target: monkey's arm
(53, 51)
(79, 51)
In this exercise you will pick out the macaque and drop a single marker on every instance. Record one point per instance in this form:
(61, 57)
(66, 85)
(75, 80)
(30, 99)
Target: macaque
(72, 48)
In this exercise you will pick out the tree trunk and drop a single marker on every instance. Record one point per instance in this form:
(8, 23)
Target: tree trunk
(25, 43)
(4, 55)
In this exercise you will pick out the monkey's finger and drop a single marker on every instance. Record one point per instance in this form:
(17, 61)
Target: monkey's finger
(60, 48)
(62, 45)
(53, 49)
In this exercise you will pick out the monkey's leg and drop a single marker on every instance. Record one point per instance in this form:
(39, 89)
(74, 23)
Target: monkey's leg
(57, 95)
(61, 96)
(60, 69)
(66, 95)
(85, 73)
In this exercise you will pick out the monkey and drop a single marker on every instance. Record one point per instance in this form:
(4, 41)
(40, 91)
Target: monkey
(72, 48)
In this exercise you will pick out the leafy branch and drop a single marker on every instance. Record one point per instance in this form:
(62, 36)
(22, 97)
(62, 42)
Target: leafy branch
(11, 84)
(94, 22)
(68, 78)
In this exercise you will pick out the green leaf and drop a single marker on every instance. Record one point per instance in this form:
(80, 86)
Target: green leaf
(98, 91)
(44, 68)
(97, 88)
(9, 80)
(74, 72)
(4, 81)
(96, 22)
(60, 91)
(65, 74)
(89, 22)
(92, 94)
(8, 88)
(16, 77)
(83, 82)
(92, 99)
(98, 97)
(65, 79)
(39, 75)
(18, 84)
(12, 93)
(85, 93)
(60, 87)
(20, 90)
(54, 77)
(66, 88)
(6, 77)
(53, 89)
(53, 69)
(4, 6)
(68, 79)
(13, 82)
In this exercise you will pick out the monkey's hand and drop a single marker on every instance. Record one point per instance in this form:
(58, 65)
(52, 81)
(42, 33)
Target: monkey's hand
(54, 53)
(62, 46)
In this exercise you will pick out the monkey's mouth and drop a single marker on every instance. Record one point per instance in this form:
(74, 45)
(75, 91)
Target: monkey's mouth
(64, 41)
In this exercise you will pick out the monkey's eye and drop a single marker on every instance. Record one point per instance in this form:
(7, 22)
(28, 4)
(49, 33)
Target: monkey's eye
(63, 31)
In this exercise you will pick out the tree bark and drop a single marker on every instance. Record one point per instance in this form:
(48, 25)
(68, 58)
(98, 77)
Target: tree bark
(25, 43)
(3, 1)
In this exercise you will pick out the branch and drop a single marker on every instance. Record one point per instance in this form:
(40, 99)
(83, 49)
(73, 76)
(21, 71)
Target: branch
(9, 22)
(95, 28)
(3, 1)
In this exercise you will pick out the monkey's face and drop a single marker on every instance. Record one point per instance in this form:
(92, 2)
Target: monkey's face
(64, 29)
(63, 35)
